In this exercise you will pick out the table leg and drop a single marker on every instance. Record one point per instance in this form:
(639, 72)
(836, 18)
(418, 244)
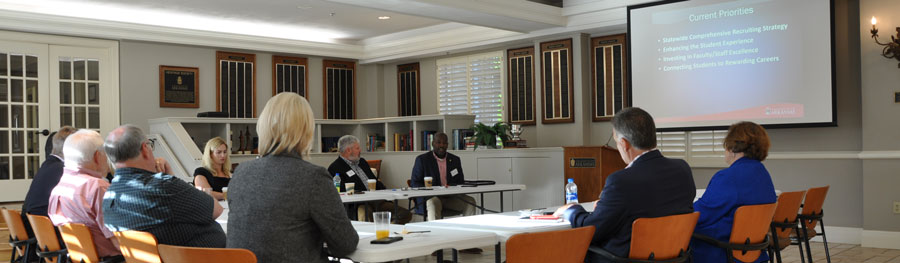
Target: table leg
(501, 202)
(497, 252)
(482, 203)
(455, 258)
(440, 256)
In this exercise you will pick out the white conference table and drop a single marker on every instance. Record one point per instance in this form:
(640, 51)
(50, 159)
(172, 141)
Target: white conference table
(416, 244)
(457, 190)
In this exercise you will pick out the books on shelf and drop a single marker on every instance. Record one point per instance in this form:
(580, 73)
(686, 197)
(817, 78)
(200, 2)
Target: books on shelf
(427, 138)
(374, 142)
(459, 138)
(330, 144)
(403, 141)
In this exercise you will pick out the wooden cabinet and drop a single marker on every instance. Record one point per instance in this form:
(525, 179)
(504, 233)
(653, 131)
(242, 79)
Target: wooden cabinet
(589, 166)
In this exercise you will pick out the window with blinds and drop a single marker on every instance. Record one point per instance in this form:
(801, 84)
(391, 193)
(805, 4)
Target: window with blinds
(408, 90)
(235, 79)
(608, 76)
(521, 85)
(289, 74)
(556, 65)
(472, 85)
(697, 147)
(340, 89)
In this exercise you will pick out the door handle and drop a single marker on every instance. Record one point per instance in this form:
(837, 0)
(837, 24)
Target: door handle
(45, 132)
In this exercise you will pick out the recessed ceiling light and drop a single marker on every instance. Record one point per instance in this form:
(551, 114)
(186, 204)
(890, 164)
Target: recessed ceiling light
(303, 7)
(384, 17)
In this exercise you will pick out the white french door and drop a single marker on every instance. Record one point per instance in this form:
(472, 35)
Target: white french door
(44, 86)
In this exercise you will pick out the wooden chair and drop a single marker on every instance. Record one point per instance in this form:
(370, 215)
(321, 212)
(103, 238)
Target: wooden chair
(138, 246)
(376, 166)
(568, 245)
(748, 233)
(179, 254)
(811, 215)
(18, 236)
(80, 243)
(48, 244)
(784, 222)
(660, 239)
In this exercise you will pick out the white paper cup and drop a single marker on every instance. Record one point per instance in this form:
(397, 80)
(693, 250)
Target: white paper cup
(428, 181)
(372, 184)
(349, 187)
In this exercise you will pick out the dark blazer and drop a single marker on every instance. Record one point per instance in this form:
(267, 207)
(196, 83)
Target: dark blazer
(426, 166)
(39, 192)
(341, 167)
(653, 186)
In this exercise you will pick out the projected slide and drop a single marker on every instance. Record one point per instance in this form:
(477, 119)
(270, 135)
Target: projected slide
(707, 63)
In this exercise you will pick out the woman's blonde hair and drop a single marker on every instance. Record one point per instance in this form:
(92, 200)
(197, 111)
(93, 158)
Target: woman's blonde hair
(286, 124)
(208, 150)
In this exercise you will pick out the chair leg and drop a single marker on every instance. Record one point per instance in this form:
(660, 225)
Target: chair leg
(824, 240)
(800, 245)
(806, 241)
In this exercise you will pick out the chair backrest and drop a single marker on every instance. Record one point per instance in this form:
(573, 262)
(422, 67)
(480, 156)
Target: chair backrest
(815, 198)
(786, 211)
(80, 243)
(751, 224)
(138, 246)
(375, 165)
(568, 245)
(663, 237)
(179, 254)
(45, 234)
(16, 227)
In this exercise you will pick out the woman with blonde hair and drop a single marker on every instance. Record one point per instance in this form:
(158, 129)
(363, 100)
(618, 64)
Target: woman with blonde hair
(745, 182)
(282, 207)
(216, 170)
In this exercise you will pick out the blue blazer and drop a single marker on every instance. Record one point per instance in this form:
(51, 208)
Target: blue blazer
(654, 186)
(745, 182)
(426, 166)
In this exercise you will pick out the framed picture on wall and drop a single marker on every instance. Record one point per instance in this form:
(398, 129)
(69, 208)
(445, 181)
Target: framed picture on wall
(179, 87)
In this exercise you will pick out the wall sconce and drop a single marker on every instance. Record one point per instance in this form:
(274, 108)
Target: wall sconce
(892, 48)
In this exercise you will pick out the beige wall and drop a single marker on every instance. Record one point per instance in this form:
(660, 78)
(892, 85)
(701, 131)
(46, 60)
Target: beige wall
(879, 78)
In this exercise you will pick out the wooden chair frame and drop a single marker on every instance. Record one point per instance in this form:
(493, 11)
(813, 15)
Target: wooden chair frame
(746, 246)
(41, 225)
(785, 201)
(684, 254)
(20, 247)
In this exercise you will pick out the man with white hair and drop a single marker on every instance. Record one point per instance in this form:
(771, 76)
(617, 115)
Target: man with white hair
(78, 197)
(352, 168)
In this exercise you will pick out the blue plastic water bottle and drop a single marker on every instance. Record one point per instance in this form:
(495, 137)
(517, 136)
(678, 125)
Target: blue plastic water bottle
(337, 182)
(571, 192)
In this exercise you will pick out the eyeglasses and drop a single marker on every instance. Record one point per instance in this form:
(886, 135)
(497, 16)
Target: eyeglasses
(151, 143)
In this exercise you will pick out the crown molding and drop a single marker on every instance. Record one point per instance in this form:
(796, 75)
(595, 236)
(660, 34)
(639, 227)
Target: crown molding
(59, 25)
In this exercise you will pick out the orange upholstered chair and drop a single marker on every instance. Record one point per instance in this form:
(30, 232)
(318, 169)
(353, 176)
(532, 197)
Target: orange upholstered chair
(784, 222)
(810, 216)
(568, 245)
(179, 254)
(48, 245)
(138, 246)
(660, 239)
(748, 233)
(18, 236)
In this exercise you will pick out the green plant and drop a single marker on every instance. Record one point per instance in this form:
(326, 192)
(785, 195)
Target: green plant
(487, 135)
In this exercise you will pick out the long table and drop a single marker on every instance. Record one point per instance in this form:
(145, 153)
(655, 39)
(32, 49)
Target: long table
(414, 245)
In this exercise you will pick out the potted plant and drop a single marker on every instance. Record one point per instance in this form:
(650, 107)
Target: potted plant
(487, 135)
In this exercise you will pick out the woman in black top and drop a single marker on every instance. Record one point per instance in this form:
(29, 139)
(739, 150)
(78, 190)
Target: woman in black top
(216, 170)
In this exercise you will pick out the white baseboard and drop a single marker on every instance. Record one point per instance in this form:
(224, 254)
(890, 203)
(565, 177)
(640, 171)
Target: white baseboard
(843, 235)
(880, 239)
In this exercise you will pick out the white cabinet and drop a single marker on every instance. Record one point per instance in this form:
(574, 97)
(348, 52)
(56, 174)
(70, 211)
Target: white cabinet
(539, 169)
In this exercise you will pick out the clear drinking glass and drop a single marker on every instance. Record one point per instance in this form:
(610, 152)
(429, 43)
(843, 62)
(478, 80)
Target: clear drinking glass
(382, 224)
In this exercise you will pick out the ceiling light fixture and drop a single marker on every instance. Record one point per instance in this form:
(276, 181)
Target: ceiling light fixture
(384, 17)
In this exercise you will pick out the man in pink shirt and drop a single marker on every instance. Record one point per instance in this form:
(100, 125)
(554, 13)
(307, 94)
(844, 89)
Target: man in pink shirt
(78, 197)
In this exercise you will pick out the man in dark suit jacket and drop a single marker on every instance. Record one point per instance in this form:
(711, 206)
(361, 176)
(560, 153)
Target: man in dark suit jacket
(650, 186)
(430, 165)
(38, 196)
(354, 169)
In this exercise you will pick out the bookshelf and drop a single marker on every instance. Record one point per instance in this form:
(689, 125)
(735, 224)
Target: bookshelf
(187, 136)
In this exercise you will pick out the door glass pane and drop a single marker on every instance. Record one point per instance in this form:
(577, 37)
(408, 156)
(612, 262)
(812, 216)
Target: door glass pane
(31, 91)
(4, 142)
(94, 118)
(18, 142)
(31, 66)
(18, 167)
(80, 117)
(17, 86)
(32, 117)
(65, 92)
(4, 90)
(65, 68)
(94, 93)
(4, 115)
(3, 67)
(4, 168)
(79, 93)
(33, 164)
(65, 116)
(79, 69)
(15, 65)
(18, 116)
(93, 70)
(33, 144)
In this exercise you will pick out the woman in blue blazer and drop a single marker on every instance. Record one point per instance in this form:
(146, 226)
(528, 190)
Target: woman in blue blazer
(745, 182)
